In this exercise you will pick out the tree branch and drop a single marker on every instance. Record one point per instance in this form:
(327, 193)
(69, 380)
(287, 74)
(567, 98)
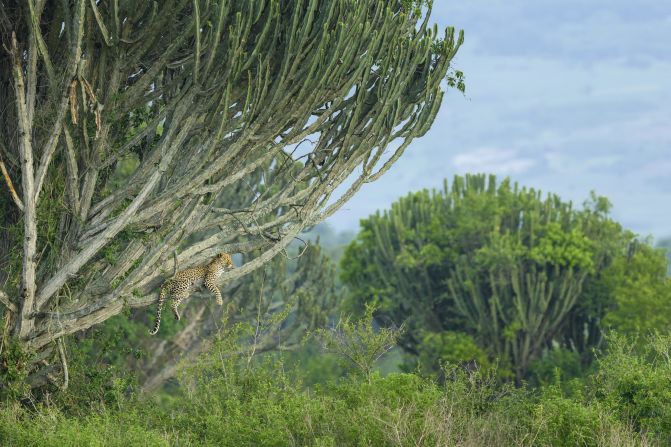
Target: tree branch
(64, 365)
(28, 285)
(4, 299)
(60, 277)
(10, 185)
(50, 146)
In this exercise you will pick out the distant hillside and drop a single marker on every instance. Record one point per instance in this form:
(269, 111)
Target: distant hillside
(332, 242)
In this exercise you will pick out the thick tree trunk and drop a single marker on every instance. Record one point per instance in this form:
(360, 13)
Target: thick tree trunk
(24, 322)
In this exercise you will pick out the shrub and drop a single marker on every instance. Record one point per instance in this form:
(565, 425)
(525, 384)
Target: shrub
(636, 385)
(556, 363)
(564, 421)
(455, 348)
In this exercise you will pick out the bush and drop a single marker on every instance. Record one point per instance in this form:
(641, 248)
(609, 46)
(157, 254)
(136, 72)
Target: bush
(641, 290)
(558, 363)
(636, 385)
(49, 427)
(230, 397)
(564, 421)
(452, 348)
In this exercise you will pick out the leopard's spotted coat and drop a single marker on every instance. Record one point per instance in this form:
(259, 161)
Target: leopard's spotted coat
(181, 285)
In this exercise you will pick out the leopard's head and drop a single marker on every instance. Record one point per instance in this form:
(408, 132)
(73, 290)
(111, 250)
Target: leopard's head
(226, 260)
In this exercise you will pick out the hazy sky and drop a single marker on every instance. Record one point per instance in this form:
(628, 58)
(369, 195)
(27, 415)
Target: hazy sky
(567, 97)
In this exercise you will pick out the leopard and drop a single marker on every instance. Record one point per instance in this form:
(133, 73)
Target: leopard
(180, 286)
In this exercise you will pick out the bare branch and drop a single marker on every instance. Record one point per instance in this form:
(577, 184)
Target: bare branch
(75, 57)
(10, 185)
(101, 24)
(64, 365)
(4, 299)
(72, 170)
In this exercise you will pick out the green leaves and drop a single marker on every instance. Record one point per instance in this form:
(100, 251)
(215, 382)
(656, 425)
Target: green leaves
(642, 292)
(456, 80)
(564, 249)
(503, 251)
(440, 349)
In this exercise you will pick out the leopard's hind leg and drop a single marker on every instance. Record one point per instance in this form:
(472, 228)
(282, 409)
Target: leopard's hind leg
(177, 299)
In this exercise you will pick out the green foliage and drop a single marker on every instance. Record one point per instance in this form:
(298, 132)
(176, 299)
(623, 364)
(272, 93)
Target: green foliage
(564, 421)
(50, 427)
(665, 245)
(414, 6)
(564, 249)
(98, 367)
(438, 349)
(312, 366)
(634, 381)
(627, 393)
(231, 397)
(357, 343)
(456, 80)
(641, 290)
(556, 363)
(14, 366)
(513, 270)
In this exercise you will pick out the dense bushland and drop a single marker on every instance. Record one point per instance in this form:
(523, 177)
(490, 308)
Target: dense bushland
(234, 397)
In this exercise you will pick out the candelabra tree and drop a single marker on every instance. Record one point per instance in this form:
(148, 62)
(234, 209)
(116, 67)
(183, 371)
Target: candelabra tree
(496, 262)
(198, 102)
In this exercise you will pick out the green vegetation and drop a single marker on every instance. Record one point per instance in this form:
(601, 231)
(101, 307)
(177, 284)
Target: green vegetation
(144, 137)
(490, 272)
(233, 397)
(641, 290)
(427, 277)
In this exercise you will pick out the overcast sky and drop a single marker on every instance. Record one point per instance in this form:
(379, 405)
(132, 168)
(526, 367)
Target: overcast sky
(565, 96)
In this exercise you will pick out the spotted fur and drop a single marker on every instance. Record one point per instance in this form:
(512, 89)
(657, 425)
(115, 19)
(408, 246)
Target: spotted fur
(183, 283)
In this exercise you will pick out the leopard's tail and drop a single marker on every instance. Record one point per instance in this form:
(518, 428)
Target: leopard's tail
(161, 300)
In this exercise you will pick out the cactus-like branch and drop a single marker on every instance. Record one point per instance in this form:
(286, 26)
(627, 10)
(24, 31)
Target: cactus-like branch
(138, 121)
